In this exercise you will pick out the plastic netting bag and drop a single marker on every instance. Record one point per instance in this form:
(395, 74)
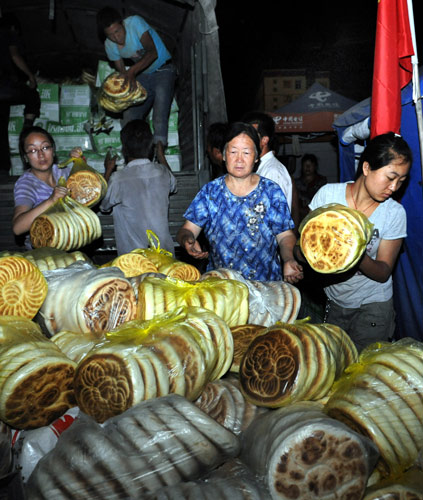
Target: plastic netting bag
(177, 352)
(381, 396)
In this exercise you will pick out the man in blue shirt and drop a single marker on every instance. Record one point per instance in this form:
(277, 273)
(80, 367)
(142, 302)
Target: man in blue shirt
(133, 39)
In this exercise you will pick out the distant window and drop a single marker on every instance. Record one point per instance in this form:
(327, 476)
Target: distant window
(298, 85)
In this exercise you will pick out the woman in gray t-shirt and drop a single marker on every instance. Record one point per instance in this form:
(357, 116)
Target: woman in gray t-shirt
(362, 304)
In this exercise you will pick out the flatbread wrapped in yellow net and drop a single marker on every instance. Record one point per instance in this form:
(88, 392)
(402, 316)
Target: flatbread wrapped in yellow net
(65, 225)
(165, 262)
(115, 94)
(85, 184)
(333, 237)
(132, 264)
(36, 378)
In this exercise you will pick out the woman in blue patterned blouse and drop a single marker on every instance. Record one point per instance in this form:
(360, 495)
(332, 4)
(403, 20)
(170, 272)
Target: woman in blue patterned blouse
(245, 217)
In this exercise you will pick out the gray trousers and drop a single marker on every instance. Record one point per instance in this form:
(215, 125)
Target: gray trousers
(374, 322)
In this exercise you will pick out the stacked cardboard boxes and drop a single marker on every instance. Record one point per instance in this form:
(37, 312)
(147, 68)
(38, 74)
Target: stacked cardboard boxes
(69, 114)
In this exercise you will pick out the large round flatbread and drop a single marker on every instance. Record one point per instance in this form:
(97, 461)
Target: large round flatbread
(115, 85)
(332, 240)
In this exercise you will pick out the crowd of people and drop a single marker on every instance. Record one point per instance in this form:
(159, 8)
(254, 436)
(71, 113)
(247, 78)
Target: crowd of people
(249, 213)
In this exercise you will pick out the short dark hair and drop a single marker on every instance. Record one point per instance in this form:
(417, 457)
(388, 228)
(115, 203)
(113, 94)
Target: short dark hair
(310, 157)
(382, 150)
(137, 140)
(216, 135)
(33, 130)
(265, 123)
(105, 18)
(237, 128)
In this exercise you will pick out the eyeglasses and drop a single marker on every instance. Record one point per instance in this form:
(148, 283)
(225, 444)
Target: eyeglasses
(34, 151)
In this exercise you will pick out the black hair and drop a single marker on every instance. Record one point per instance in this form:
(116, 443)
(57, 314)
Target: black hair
(310, 157)
(265, 123)
(382, 150)
(10, 21)
(216, 135)
(237, 128)
(23, 136)
(105, 18)
(137, 140)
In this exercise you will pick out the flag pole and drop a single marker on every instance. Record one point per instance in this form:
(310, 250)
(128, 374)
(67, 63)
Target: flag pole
(417, 97)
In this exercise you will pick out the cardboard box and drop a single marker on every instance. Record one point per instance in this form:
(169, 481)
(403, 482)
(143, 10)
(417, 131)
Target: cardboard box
(67, 137)
(49, 95)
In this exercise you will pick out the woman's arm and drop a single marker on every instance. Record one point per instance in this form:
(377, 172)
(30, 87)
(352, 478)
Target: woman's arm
(24, 216)
(292, 270)
(187, 238)
(381, 268)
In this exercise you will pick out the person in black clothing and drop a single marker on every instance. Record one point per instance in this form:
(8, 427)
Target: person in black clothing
(14, 89)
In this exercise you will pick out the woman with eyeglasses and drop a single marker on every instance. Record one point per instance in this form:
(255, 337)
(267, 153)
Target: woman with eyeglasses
(37, 189)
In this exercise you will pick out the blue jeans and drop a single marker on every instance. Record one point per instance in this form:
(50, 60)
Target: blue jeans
(160, 87)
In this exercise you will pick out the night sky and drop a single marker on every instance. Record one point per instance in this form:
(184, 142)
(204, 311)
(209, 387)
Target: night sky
(331, 36)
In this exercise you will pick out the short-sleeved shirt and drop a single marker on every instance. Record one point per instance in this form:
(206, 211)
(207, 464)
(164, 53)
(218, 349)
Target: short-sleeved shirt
(389, 223)
(242, 230)
(271, 168)
(31, 191)
(139, 197)
(133, 49)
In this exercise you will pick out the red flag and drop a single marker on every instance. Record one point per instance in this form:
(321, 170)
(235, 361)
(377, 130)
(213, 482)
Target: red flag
(392, 68)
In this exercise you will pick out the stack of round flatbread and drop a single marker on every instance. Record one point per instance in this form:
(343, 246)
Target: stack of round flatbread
(82, 298)
(408, 486)
(227, 298)
(268, 301)
(177, 353)
(243, 335)
(132, 264)
(76, 345)
(334, 237)
(87, 187)
(223, 401)
(47, 258)
(301, 453)
(169, 265)
(36, 378)
(383, 399)
(23, 287)
(231, 481)
(294, 362)
(66, 225)
(157, 443)
(116, 95)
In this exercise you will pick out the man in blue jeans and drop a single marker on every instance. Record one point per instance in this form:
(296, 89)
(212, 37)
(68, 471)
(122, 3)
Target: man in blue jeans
(133, 39)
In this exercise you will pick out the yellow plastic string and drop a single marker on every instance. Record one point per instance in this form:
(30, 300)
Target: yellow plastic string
(137, 331)
(155, 245)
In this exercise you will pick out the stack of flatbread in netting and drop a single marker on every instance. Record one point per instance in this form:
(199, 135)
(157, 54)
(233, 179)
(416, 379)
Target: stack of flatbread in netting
(116, 95)
(170, 266)
(231, 481)
(334, 237)
(408, 486)
(177, 353)
(82, 298)
(36, 378)
(23, 287)
(155, 444)
(85, 184)
(294, 362)
(227, 298)
(223, 401)
(268, 301)
(302, 453)
(66, 225)
(47, 259)
(382, 398)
